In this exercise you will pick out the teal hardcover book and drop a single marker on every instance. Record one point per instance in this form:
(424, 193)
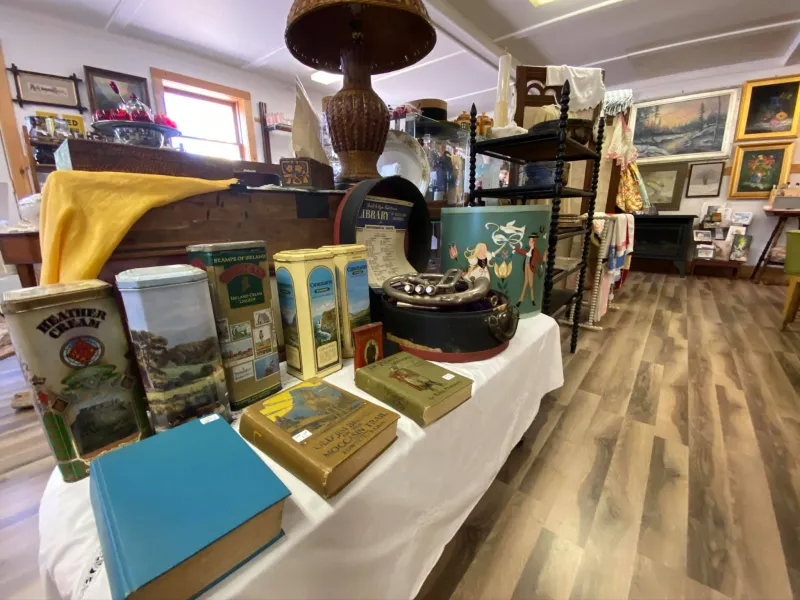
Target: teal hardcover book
(179, 511)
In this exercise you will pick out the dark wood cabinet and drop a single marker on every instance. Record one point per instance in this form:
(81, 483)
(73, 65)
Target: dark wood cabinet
(664, 237)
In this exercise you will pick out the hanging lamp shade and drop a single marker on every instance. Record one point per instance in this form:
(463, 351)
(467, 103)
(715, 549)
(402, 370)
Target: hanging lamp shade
(393, 33)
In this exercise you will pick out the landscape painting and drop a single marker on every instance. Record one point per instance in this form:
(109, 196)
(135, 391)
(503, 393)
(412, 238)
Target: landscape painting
(685, 128)
(757, 168)
(705, 180)
(770, 109)
(664, 184)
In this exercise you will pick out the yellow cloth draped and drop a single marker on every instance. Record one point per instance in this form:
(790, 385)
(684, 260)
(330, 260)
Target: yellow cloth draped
(85, 215)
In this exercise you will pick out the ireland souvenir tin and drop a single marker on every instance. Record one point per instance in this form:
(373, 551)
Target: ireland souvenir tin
(73, 352)
(506, 244)
(238, 278)
(309, 312)
(172, 329)
(353, 285)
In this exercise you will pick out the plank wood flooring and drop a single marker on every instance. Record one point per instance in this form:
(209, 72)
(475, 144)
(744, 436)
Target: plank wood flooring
(667, 466)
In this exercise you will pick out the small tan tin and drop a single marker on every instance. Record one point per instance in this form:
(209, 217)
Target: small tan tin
(75, 357)
(238, 278)
(309, 312)
(353, 285)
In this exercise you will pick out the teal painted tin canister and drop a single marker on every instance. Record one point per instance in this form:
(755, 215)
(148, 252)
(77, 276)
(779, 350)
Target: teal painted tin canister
(507, 244)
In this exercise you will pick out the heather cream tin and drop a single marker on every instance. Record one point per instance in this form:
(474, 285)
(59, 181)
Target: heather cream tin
(238, 278)
(308, 299)
(72, 348)
(352, 283)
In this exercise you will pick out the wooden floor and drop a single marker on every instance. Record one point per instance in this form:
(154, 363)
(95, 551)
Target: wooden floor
(668, 466)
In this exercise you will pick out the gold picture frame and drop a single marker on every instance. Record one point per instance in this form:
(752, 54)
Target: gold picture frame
(763, 102)
(756, 164)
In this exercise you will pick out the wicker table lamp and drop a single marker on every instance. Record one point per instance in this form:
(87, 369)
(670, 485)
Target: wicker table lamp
(358, 38)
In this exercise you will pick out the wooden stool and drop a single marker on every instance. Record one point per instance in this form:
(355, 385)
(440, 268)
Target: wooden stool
(792, 302)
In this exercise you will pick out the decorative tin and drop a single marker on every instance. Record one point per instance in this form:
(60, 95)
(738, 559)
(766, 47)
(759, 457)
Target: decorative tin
(73, 352)
(353, 285)
(172, 328)
(368, 344)
(309, 312)
(507, 244)
(238, 278)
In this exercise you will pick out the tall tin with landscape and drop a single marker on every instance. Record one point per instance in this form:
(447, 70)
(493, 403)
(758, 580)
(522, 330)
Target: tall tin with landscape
(506, 244)
(172, 329)
(352, 282)
(238, 279)
(73, 352)
(309, 312)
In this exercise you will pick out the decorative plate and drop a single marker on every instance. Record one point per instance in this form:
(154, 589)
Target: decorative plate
(403, 156)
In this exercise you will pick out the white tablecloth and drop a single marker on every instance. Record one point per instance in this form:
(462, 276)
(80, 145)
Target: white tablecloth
(382, 535)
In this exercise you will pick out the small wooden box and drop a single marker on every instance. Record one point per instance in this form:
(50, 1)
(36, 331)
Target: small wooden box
(306, 173)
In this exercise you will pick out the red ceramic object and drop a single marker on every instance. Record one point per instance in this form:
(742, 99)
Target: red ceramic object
(121, 115)
(103, 114)
(160, 119)
(141, 115)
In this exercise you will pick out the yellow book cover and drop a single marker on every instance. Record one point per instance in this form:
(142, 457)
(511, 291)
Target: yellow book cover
(324, 435)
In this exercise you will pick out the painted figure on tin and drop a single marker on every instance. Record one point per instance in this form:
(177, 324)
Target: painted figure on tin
(533, 259)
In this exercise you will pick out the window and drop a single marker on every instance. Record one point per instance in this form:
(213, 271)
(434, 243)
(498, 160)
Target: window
(215, 120)
(209, 126)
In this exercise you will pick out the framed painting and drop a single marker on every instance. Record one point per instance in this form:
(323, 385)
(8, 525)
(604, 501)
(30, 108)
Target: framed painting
(101, 96)
(685, 128)
(759, 167)
(770, 109)
(705, 179)
(46, 90)
(664, 184)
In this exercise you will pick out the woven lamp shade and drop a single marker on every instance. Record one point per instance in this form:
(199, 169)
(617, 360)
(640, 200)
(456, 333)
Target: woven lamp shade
(396, 33)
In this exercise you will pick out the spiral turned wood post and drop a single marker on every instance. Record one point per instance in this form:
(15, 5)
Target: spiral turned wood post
(588, 235)
(473, 126)
(559, 174)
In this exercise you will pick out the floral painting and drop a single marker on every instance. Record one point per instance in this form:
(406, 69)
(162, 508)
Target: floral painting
(757, 169)
(770, 109)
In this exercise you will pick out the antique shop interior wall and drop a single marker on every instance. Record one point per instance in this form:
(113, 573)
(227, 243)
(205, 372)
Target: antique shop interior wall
(40, 43)
(732, 76)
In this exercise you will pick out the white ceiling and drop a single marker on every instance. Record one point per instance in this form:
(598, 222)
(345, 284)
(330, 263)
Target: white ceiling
(631, 39)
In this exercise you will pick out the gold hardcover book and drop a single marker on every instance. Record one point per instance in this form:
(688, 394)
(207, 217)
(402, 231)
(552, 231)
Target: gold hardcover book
(419, 389)
(322, 434)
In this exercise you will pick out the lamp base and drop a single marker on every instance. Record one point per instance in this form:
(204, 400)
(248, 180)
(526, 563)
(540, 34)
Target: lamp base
(358, 121)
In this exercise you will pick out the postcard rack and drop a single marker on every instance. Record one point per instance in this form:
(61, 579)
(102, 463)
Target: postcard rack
(546, 146)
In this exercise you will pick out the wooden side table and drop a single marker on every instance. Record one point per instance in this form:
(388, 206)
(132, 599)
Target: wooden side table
(714, 263)
(286, 220)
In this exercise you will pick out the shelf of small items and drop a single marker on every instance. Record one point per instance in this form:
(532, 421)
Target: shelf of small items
(35, 147)
(721, 242)
(546, 146)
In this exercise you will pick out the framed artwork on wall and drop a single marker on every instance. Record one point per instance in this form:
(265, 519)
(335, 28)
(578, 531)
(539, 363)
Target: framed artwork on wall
(685, 128)
(46, 90)
(664, 184)
(770, 109)
(759, 167)
(101, 96)
(705, 179)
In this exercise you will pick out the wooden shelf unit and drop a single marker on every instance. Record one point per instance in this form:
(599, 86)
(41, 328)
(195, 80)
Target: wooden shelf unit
(34, 167)
(546, 146)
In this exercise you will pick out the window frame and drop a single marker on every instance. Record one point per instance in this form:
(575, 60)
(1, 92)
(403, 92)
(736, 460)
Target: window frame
(164, 81)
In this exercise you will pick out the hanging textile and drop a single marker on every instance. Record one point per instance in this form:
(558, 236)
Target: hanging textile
(617, 102)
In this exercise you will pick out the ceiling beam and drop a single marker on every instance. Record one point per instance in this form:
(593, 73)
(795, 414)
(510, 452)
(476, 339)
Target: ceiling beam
(576, 13)
(450, 22)
(419, 65)
(792, 54)
(260, 62)
(699, 40)
(124, 12)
